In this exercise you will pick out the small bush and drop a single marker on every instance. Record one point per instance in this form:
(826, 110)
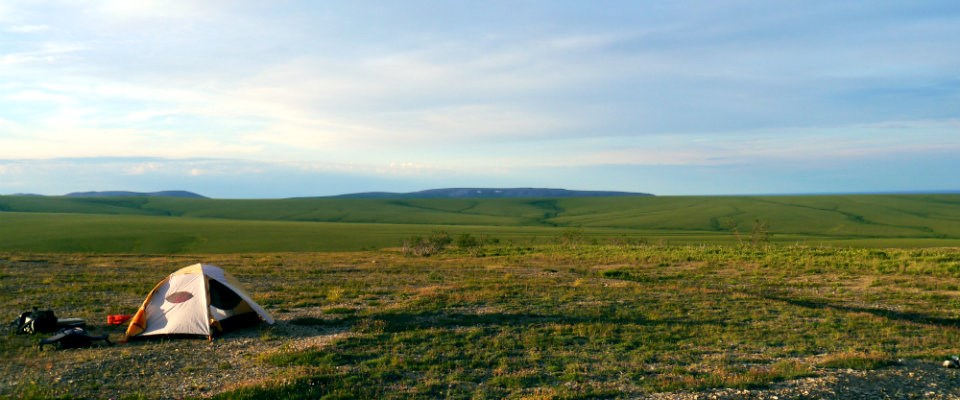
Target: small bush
(371, 326)
(616, 274)
(473, 244)
(628, 242)
(334, 294)
(761, 232)
(426, 246)
(467, 241)
(572, 237)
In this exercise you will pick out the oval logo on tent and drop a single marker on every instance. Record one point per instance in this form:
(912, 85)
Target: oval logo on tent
(179, 297)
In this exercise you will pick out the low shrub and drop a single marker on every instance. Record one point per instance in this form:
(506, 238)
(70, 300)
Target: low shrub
(426, 246)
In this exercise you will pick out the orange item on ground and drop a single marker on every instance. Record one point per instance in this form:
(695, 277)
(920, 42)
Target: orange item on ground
(118, 319)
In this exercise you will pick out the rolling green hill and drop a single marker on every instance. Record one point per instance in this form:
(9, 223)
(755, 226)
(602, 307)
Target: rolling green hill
(91, 233)
(156, 224)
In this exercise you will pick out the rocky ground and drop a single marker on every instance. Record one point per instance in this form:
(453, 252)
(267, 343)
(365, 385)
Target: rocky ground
(196, 368)
(173, 368)
(912, 379)
(189, 368)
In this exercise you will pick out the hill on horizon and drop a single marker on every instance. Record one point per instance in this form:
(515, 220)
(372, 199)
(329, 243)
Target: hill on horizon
(123, 193)
(487, 193)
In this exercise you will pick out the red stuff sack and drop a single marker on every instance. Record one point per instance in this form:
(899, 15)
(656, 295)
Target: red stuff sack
(118, 319)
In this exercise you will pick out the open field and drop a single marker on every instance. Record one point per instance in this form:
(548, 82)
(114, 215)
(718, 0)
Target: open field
(816, 296)
(176, 226)
(547, 321)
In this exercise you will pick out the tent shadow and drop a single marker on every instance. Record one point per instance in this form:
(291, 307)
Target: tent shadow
(892, 315)
(395, 322)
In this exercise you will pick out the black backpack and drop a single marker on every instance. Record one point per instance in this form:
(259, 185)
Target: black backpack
(72, 338)
(36, 321)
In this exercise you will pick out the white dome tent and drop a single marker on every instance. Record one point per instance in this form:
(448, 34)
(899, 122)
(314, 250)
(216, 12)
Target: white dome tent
(200, 299)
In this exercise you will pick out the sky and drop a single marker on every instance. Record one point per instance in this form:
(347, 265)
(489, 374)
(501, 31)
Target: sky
(273, 99)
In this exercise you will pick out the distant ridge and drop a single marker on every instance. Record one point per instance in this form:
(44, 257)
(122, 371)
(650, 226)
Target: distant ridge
(487, 193)
(120, 193)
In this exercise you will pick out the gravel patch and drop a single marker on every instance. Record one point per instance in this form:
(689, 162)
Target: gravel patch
(169, 368)
(912, 379)
(196, 368)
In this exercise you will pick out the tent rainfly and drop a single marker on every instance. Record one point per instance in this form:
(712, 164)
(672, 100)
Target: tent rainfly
(200, 299)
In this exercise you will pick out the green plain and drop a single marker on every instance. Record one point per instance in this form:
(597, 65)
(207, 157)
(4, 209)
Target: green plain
(173, 225)
(576, 298)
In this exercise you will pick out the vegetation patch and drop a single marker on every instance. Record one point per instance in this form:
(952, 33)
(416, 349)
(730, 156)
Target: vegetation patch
(158, 225)
(858, 360)
(550, 320)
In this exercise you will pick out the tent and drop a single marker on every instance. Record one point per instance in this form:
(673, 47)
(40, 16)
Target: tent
(200, 299)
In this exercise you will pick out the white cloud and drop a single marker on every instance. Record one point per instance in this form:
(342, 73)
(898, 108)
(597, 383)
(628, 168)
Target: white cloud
(134, 11)
(10, 169)
(27, 28)
(8, 127)
(36, 95)
(50, 53)
(486, 122)
(66, 140)
(794, 145)
(404, 168)
(143, 168)
(437, 93)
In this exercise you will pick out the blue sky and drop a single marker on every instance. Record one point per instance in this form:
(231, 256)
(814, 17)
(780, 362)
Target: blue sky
(260, 99)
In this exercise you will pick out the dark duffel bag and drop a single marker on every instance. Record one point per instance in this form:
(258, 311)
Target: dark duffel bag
(36, 321)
